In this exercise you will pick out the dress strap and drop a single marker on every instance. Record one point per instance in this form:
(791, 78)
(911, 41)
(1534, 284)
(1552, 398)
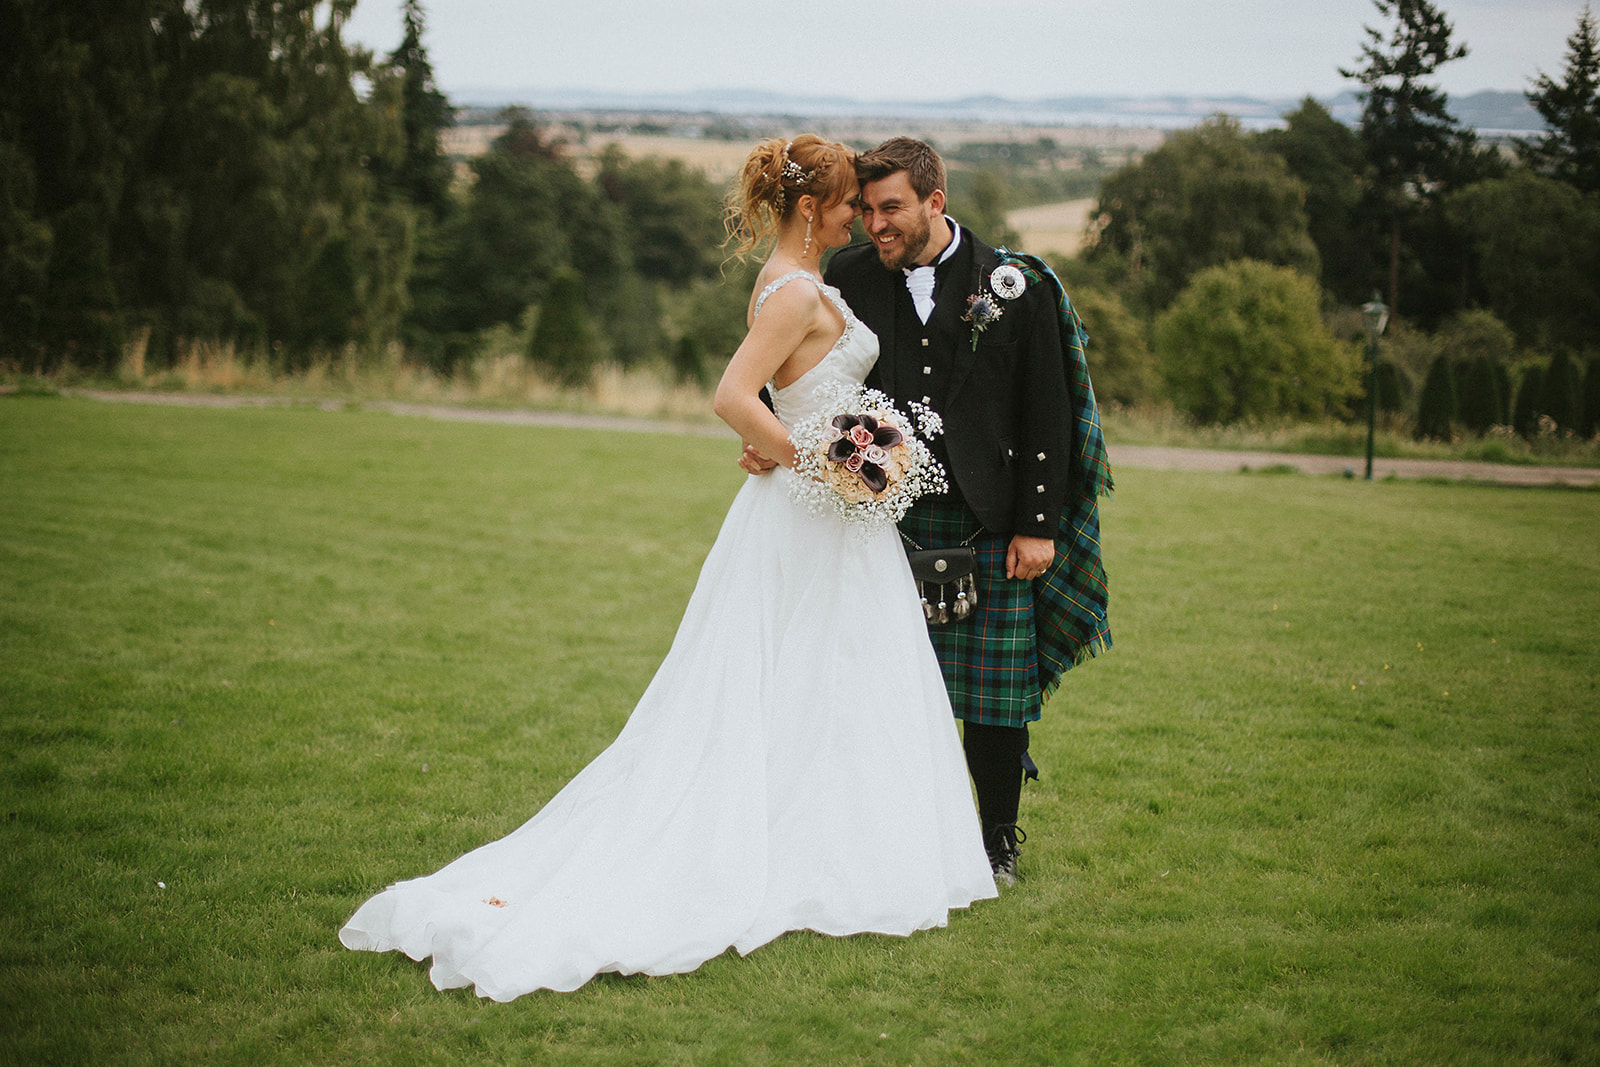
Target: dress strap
(779, 283)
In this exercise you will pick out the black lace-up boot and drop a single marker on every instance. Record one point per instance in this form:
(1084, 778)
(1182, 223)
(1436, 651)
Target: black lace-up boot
(1002, 843)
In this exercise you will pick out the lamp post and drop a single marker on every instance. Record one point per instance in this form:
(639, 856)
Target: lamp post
(1376, 316)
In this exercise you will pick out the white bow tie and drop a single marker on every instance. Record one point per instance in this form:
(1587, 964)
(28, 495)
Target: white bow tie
(919, 282)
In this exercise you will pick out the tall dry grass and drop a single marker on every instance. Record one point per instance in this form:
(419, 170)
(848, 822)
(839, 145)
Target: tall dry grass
(499, 377)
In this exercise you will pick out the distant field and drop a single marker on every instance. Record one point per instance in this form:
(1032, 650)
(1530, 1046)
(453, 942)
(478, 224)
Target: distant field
(1052, 228)
(1045, 228)
(720, 160)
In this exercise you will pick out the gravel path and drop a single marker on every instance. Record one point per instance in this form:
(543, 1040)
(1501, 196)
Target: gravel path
(1121, 455)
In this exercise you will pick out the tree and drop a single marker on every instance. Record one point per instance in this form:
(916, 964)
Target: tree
(1120, 362)
(1535, 249)
(78, 83)
(1206, 197)
(1326, 155)
(530, 215)
(196, 167)
(1569, 151)
(1246, 340)
(423, 173)
(673, 215)
(982, 206)
(564, 341)
(1412, 144)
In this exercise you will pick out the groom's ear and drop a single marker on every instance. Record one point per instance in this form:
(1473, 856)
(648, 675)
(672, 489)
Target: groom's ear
(935, 201)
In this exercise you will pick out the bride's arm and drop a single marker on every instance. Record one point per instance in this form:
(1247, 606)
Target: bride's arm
(786, 319)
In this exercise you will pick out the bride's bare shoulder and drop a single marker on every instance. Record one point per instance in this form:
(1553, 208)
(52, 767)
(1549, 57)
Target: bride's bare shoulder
(787, 290)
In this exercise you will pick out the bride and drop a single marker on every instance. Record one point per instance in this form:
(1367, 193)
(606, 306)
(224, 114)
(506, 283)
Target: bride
(794, 764)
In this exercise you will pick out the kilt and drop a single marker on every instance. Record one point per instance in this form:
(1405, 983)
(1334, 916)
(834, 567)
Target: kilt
(990, 659)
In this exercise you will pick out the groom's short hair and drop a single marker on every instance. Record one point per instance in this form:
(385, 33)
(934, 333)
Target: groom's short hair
(917, 158)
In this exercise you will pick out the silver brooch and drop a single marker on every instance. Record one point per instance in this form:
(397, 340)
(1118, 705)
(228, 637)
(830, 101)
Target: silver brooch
(1007, 282)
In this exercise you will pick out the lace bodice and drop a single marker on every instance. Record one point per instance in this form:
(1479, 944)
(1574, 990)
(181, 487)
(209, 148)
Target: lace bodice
(849, 360)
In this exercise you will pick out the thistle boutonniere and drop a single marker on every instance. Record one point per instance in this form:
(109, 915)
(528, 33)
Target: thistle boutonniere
(982, 311)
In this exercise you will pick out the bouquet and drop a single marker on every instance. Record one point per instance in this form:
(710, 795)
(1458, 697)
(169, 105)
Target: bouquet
(861, 458)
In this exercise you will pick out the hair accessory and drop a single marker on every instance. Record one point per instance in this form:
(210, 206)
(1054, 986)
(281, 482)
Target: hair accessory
(793, 173)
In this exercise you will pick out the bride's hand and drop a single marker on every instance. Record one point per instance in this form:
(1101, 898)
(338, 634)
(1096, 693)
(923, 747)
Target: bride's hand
(753, 462)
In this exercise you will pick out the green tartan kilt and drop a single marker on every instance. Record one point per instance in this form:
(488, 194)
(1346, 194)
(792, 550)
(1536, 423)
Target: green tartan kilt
(990, 659)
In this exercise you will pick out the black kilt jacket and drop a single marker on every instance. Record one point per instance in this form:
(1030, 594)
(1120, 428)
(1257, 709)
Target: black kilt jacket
(1007, 417)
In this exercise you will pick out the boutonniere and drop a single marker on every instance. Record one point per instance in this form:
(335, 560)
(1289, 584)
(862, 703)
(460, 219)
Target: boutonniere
(982, 311)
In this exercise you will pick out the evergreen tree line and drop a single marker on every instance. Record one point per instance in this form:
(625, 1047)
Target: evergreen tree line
(232, 170)
(1488, 259)
(179, 170)
(195, 169)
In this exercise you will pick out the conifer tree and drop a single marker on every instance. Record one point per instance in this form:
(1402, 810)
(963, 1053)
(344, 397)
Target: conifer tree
(1389, 385)
(1479, 404)
(1560, 396)
(424, 172)
(1411, 141)
(1570, 149)
(1525, 414)
(1591, 401)
(1436, 407)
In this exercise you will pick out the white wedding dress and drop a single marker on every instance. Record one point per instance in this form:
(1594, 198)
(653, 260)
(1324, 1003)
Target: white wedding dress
(794, 764)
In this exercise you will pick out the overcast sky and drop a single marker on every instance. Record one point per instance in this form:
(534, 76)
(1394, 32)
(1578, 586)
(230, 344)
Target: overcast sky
(928, 50)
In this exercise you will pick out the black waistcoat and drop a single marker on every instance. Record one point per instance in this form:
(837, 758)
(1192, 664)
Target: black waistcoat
(925, 353)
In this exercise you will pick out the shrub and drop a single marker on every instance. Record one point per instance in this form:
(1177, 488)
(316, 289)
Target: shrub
(1525, 414)
(1479, 404)
(1561, 397)
(1120, 363)
(1591, 400)
(1436, 407)
(1477, 333)
(1391, 386)
(1246, 340)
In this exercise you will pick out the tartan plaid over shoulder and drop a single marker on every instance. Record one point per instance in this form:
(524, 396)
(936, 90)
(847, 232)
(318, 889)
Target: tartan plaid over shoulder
(1071, 599)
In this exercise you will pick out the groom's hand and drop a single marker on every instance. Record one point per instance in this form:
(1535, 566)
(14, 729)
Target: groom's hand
(1029, 557)
(754, 462)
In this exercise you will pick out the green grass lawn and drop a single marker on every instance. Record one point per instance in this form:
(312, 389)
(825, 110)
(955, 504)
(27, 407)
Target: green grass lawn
(1331, 798)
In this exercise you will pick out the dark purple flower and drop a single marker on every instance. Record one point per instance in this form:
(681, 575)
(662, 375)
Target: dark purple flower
(858, 433)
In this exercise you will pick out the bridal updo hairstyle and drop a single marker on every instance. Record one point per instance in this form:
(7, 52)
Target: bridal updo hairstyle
(765, 195)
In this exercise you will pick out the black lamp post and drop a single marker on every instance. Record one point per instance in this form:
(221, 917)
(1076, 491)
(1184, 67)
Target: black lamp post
(1376, 316)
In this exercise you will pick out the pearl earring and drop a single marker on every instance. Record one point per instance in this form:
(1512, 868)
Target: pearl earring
(807, 249)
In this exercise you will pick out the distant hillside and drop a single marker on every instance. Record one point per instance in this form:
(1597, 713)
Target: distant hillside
(1489, 110)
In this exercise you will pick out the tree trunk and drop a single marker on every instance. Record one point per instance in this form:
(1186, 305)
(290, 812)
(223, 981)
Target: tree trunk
(1394, 266)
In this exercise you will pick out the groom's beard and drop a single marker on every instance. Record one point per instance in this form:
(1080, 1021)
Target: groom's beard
(909, 247)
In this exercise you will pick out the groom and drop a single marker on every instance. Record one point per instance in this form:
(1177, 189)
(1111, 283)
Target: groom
(1021, 446)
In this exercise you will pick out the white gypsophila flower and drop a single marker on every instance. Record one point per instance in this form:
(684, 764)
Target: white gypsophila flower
(861, 459)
